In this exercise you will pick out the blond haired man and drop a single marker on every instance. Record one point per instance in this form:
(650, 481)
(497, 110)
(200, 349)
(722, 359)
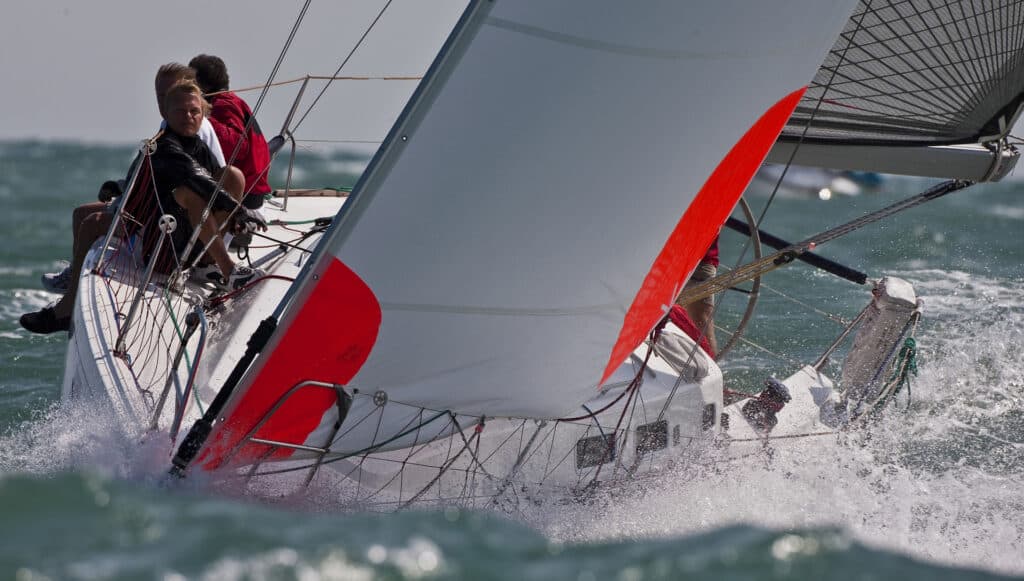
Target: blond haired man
(188, 180)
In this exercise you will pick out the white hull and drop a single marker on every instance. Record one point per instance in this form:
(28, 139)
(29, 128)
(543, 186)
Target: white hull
(436, 455)
(132, 385)
(133, 382)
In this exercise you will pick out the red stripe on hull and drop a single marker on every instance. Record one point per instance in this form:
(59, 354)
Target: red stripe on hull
(698, 227)
(329, 340)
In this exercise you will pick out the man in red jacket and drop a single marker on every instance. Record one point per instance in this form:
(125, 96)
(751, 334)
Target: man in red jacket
(240, 137)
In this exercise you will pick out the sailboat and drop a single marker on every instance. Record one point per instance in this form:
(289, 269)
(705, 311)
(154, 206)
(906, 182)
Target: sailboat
(444, 333)
(804, 182)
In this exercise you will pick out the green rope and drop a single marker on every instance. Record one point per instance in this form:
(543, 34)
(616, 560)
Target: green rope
(325, 220)
(177, 327)
(293, 222)
(906, 365)
(181, 337)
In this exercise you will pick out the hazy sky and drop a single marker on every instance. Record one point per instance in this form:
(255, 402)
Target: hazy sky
(84, 70)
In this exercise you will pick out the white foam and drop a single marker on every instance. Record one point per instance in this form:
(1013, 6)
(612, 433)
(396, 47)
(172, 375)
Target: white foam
(270, 564)
(941, 483)
(82, 436)
(17, 301)
(1005, 211)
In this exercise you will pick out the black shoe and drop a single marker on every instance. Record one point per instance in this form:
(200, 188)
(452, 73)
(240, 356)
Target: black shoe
(44, 322)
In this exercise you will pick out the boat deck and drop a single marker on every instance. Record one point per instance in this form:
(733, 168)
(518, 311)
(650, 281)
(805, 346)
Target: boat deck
(132, 357)
(125, 340)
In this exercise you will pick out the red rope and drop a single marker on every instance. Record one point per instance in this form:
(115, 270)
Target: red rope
(283, 227)
(226, 297)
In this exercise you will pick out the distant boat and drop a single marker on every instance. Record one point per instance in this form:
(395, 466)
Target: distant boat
(813, 182)
(477, 321)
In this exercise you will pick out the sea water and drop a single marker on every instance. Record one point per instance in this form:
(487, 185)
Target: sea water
(936, 492)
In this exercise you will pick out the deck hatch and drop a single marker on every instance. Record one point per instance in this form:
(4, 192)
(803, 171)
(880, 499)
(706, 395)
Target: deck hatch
(595, 451)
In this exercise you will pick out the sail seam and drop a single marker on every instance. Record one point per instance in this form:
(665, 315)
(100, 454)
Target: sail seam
(502, 311)
(601, 45)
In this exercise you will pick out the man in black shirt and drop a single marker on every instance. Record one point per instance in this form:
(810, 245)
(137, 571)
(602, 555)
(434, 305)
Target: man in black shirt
(186, 176)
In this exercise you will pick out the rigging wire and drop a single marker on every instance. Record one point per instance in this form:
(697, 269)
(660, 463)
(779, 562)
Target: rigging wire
(825, 314)
(270, 81)
(366, 141)
(342, 65)
(789, 253)
(276, 68)
(326, 78)
(810, 120)
(778, 356)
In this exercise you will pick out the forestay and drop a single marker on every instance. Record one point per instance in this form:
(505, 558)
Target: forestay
(552, 183)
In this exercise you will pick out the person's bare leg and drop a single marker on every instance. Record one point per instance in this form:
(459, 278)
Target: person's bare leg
(208, 229)
(90, 229)
(233, 182)
(702, 315)
(79, 215)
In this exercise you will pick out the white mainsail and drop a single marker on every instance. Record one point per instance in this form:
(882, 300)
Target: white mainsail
(915, 87)
(553, 182)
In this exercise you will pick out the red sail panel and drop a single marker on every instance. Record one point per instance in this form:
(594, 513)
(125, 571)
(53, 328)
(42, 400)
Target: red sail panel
(698, 227)
(329, 340)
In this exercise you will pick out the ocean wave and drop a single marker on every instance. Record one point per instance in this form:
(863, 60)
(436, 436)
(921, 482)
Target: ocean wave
(125, 531)
(1006, 211)
(15, 302)
(16, 271)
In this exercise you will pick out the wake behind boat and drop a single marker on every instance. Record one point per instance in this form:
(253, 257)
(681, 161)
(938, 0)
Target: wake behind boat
(443, 334)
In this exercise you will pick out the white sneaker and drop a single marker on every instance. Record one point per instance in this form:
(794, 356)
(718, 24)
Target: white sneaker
(206, 273)
(241, 276)
(57, 282)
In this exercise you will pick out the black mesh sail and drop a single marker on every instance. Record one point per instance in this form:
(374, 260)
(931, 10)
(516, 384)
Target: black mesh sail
(917, 72)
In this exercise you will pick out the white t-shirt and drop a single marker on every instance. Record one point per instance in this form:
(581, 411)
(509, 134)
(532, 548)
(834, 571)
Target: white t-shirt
(209, 137)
